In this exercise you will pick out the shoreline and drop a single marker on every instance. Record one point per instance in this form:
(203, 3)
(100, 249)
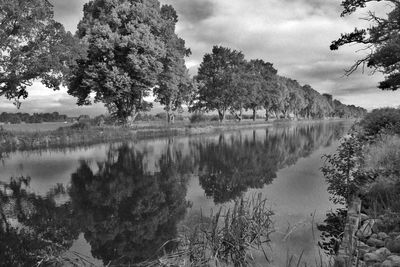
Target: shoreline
(74, 136)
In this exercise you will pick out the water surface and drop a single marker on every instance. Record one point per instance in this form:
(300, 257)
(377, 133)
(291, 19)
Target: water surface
(119, 203)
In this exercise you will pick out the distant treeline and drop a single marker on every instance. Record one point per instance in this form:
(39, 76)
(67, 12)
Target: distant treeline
(227, 82)
(15, 118)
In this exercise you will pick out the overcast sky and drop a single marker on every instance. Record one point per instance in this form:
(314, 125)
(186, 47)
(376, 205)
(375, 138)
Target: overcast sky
(294, 35)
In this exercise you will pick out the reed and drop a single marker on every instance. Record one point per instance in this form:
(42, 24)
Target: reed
(227, 237)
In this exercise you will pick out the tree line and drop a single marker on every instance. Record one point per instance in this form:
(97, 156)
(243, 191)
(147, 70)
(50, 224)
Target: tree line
(226, 81)
(126, 50)
(19, 117)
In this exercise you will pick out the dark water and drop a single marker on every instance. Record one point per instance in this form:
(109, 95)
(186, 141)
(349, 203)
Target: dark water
(120, 203)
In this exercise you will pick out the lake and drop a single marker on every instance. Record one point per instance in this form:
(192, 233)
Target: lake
(120, 203)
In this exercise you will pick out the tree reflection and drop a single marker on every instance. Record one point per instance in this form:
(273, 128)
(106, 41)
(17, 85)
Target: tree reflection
(231, 165)
(127, 210)
(33, 228)
(128, 213)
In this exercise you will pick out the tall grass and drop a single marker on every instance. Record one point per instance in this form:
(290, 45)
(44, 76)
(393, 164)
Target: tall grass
(228, 237)
(384, 156)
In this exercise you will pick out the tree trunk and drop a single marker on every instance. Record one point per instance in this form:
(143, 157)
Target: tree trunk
(254, 114)
(266, 115)
(221, 115)
(170, 117)
(239, 117)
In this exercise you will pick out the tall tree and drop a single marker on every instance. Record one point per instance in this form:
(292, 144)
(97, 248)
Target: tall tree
(124, 54)
(218, 78)
(381, 39)
(174, 84)
(32, 46)
(258, 77)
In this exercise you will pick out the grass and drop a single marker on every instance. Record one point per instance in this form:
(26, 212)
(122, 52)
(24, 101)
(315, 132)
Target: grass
(225, 238)
(34, 127)
(81, 134)
(384, 156)
(34, 136)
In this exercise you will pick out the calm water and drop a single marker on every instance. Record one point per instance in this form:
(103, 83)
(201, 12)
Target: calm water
(121, 202)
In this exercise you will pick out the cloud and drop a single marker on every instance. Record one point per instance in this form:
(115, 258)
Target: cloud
(42, 99)
(69, 13)
(192, 11)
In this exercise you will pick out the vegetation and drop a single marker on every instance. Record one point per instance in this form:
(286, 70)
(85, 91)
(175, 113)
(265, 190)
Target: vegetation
(381, 119)
(381, 39)
(228, 237)
(109, 59)
(174, 84)
(32, 46)
(367, 165)
(15, 118)
(122, 67)
(227, 82)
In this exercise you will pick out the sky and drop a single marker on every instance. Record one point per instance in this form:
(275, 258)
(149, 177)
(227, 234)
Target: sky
(294, 35)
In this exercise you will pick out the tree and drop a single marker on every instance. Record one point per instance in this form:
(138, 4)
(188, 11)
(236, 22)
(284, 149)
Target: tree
(32, 46)
(381, 39)
(123, 58)
(218, 78)
(174, 84)
(257, 78)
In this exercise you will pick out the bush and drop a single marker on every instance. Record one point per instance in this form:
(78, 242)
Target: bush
(78, 126)
(197, 117)
(381, 119)
(384, 156)
(214, 118)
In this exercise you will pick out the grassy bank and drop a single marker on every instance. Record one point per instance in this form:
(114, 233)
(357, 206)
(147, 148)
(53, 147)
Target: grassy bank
(82, 134)
(366, 166)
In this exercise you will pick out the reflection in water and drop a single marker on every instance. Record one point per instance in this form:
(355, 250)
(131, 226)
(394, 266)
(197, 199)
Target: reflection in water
(236, 163)
(33, 227)
(127, 209)
(126, 212)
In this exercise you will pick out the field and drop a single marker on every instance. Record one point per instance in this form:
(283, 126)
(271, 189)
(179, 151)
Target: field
(34, 127)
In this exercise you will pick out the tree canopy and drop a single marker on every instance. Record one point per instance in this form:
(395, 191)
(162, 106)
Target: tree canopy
(123, 60)
(381, 39)
(174, 83)
(32, 46)
(218, 78)
(228, 82)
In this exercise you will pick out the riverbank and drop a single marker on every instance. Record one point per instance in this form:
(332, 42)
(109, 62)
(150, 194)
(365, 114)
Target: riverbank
(81, 134)
(84, 135)
(365, 173)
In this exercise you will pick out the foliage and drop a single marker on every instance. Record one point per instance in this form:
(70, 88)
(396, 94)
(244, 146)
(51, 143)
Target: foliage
(32, 46)
(225, 238)
(34, 118)
(380, 119)
(124, 51)
(218, 78)
(174, 86)
(332, 231)
(342, 169)
(381, 38)
(228, 82)
(383, 156)
(197, 117)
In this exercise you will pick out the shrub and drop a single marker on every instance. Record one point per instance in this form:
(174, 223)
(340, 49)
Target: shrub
(342, 170)
(161, 116)
(384, 156)
(197, 117)
(214, 118)
(381, 119)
